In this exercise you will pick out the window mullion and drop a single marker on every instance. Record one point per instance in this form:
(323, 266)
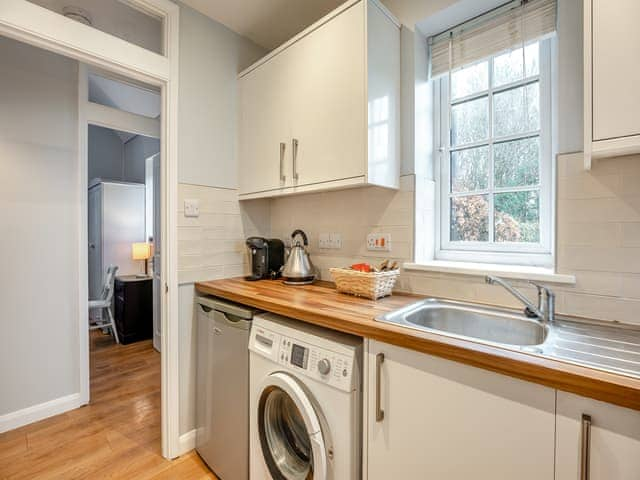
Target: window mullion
(491, 173)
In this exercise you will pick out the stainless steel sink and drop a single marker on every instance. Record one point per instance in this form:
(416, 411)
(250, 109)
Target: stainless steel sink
(612, 347)
(472, 321)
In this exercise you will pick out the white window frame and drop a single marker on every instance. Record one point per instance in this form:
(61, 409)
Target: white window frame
(514, 253)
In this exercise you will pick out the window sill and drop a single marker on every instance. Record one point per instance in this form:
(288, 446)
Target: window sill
(517, 272)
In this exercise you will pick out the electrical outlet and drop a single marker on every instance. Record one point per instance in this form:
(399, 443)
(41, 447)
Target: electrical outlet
(330, 241)
(380, 242)
(191, 208)
(335, 239)
(324, 240)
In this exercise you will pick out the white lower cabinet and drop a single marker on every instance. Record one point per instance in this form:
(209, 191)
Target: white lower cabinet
(607, 450)
(445, 420)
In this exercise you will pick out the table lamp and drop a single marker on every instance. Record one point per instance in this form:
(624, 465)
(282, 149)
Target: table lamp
(142, 251)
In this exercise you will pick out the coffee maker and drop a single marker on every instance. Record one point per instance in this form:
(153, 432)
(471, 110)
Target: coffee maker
(266, 257)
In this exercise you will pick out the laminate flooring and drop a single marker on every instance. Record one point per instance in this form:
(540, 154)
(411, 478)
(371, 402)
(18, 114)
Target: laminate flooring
(116, 436)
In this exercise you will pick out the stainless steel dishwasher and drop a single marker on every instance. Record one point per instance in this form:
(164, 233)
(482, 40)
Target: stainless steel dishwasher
(222, 386)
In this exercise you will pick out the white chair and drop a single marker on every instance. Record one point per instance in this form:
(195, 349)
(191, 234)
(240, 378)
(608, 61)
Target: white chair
(104, 303)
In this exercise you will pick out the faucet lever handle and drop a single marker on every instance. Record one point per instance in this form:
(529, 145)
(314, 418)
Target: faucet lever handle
(548, 305)
(541, 290)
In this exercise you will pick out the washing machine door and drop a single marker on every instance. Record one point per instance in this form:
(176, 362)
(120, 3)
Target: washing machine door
(291, 437)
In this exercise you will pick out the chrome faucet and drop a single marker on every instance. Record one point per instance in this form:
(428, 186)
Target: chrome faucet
(545, 311)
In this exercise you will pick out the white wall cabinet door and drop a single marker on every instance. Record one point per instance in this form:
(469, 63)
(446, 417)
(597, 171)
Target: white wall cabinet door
(315, 92)
(264, 124)
(614, 447)
(329, 103)
(444, 420)
(616, 70)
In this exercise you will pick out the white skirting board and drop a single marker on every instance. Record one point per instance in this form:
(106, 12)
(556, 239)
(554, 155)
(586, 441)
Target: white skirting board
(10, 421)
(187, 442)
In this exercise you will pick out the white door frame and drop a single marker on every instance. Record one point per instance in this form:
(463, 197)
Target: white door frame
(37, 26)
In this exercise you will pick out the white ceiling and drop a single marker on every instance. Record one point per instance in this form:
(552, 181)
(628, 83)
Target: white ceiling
(268, 23)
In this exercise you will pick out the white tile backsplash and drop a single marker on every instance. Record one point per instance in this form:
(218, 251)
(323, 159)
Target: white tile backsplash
(598, 235)
(352, 213)
(211, 245)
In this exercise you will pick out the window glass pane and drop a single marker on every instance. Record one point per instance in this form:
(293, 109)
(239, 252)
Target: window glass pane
(517, 217)
(470, 121)
(507, 68)
(470, 169)
(516, 110)
(516, 163)
(470, 80)
(114, 17)
(532, 59)
(470, 218)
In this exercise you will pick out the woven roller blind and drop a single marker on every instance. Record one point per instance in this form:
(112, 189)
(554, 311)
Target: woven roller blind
(502, 29)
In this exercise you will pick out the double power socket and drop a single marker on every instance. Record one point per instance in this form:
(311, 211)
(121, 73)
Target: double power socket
(380, 242)
(330, 241)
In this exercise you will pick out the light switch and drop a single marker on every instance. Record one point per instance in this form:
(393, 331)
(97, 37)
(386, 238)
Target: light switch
(191, 208)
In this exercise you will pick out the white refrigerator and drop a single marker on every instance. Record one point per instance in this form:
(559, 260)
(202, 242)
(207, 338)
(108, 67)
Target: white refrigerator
(116, 220)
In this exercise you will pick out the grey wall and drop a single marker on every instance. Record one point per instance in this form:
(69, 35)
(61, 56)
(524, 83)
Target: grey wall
(111, 159)
(136, 151)
(38, 227)
(211, 56)
(105, 154)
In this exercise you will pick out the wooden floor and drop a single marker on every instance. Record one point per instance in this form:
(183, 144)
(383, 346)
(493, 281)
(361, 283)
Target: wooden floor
(116, 436)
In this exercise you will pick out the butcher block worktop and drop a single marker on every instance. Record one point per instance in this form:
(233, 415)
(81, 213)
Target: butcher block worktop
(320, 304)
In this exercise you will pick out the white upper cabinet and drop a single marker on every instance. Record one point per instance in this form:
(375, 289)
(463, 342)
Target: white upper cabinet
(331, 96)
(262, 163)
(612, 76)
(596, 440)
(430, 418)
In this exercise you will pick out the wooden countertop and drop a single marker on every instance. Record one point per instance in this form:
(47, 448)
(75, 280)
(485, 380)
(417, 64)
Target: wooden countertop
(320, 304)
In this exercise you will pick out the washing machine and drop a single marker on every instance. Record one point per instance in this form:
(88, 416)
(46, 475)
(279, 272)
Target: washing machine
(305, 402)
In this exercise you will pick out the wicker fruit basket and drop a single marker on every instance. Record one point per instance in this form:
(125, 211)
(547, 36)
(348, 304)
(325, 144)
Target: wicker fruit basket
(373, 285)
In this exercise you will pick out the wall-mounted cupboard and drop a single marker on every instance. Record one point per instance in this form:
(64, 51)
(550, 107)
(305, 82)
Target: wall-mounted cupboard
(611, 78)
(322, 111)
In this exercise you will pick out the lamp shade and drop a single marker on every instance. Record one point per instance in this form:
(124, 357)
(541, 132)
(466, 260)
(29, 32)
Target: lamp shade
(141, 251)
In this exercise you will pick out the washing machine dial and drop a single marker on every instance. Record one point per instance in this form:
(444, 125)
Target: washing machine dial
(324, 366)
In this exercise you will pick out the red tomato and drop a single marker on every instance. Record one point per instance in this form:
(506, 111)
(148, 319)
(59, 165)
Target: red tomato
(361, 267)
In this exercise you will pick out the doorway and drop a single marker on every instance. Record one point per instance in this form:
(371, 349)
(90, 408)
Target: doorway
(123, 216)
(40, 27)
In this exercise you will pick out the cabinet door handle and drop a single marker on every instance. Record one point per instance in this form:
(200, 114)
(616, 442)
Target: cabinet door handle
(294, 146)
(283, 147)
(585, 448)
(379, 410)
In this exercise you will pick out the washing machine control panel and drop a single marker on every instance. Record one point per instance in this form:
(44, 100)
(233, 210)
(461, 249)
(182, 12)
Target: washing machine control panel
(333, 368)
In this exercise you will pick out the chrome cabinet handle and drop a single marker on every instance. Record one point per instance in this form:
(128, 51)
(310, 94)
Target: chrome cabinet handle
(585, 448)
(379, 410)
(294, 146)
(283, 147)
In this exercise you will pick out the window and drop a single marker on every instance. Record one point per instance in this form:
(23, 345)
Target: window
(494, 168)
